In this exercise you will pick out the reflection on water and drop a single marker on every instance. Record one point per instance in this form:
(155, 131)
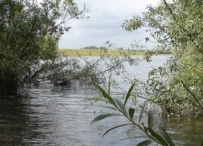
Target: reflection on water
(187, 132)
(54, 115)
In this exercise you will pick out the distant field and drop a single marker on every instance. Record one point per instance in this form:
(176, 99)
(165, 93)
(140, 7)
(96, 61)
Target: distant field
(94, 52)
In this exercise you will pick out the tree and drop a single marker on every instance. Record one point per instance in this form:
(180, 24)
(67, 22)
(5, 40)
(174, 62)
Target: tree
(29, 34)
(177, 87)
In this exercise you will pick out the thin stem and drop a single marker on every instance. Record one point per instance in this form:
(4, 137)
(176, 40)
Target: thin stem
(140, 127)
(192, 94)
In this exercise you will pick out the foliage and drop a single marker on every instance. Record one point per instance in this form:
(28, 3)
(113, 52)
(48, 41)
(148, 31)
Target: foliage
(29, 34)
(94, 47)
(28, 43)
(122, 110)
(175, 25)
(87, 69)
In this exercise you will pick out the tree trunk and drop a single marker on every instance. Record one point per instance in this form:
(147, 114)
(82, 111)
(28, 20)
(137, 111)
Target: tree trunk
(8, 82)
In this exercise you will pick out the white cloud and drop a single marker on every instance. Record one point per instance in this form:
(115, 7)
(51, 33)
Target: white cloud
(106, 17)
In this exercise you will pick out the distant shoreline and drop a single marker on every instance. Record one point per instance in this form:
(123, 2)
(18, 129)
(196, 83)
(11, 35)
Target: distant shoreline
(97, 52)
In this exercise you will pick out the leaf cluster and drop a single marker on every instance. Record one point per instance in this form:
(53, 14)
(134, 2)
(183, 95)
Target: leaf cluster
(29, 34)
(162, 138)
(176, 25)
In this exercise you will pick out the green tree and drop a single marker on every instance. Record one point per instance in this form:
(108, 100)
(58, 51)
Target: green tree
(177, 25)
(29, 34)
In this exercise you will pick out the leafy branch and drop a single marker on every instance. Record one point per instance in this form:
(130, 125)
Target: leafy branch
(163, 138)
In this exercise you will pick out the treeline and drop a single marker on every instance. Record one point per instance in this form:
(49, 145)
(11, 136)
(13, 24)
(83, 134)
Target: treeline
(104, 48)
(155, 51)
(95, 48)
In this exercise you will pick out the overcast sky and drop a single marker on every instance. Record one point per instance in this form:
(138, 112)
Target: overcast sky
(104, 24)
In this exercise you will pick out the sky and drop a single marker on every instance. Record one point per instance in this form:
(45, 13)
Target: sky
(104, 24)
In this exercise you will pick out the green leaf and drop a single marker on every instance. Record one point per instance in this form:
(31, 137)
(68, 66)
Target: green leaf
(167, 137)
(121, 106)
(128, 94)
(131, 112)
(158, 137)
(131, 132)
(106, 95)
(101, 117)
(150, 120)
(114, 128)
(144, 143)
(142, 111)
(135, 132)
(202, 142)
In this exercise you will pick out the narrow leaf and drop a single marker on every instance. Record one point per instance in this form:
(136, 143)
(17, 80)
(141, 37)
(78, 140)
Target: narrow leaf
(128, 94)
(150, 120)
(121, 106)
(131, 112)
(101, 117)
(114, 128)
(158, 137)
(202, 142)
(109, 85)
(144, 143)
(167, 137)
(106, 95)
(142, 111)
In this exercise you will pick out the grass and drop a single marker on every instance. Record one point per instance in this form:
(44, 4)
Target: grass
(92, 52)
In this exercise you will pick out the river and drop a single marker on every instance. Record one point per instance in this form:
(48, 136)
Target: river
(58, 116)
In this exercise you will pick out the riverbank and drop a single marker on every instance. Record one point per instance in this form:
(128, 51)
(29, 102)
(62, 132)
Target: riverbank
(98, 52)
(94, 52)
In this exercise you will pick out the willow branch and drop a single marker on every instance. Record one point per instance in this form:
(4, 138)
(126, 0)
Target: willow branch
(192, 94)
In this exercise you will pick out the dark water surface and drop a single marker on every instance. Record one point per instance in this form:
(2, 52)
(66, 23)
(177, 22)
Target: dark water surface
(58, 116)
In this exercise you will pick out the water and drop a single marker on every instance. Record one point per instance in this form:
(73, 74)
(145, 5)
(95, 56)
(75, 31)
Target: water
(55, 116)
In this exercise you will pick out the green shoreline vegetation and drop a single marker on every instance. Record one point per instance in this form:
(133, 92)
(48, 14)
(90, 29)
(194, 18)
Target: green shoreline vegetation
(30, 32)
(97, 52)
(92, 52)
